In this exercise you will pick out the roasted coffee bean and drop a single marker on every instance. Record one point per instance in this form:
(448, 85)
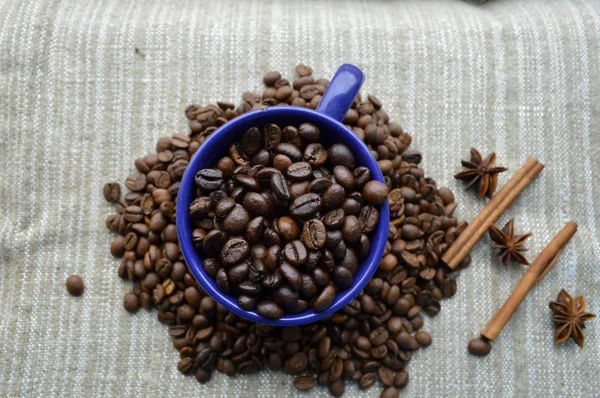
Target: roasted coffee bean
(255, 229)
(131, 302)
(390, 392)
(280, 188)
(272, 136)
(344, 177)
(209, 179)
(337, 387)
(333, 239)
(251, 141)
(288, 228)
(112, 192)
(314, 234)
(309, 132)
(479, 346)
(324, 299)
(249, 288)
(295, 253)
(308, 288)
(320, 185)
(299, 171)
(289, 150)
(340, 155)
(291, 276)
(351, 229)
(333, 197)
(291, 135)
(315, 154)
(296, 364)
(75, 285)
(362, 175)
(375, 192)
(234, 251)
(281, 162)
(334, 219)
(342, 277)
(304, 383)
(237, 273)
(368, 217)
(269, 309)
(257, 205)
(306, 206)
(236, 221)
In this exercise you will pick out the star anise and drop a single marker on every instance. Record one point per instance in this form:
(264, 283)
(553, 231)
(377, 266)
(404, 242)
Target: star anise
(510, 245)
(480, 171)
(569, 317)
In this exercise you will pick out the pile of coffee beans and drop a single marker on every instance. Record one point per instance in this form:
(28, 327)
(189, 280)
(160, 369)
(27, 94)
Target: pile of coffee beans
(284, 223)
(371, 340)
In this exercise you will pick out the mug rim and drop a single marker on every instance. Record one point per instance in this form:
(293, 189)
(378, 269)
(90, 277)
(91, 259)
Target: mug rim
(195, 262)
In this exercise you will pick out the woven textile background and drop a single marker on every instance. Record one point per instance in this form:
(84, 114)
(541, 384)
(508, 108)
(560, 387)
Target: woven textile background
(78, 105)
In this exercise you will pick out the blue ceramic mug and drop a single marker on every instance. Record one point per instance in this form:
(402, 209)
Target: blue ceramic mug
(333, 106)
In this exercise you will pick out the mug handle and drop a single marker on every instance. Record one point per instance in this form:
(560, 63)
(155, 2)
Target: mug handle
(341, 91)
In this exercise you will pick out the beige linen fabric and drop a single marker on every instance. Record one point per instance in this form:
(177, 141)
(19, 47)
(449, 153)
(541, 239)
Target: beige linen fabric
(78, 105)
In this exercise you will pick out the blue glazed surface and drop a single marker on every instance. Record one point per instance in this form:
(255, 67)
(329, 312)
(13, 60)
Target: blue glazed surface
(332, 131)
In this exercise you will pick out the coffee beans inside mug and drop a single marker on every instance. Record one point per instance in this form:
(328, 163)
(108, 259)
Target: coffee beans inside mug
(285, 185)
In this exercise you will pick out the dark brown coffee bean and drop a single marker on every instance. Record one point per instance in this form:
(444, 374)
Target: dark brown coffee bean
(251, 141)
(280, 188)
(320, 277)
(479, 346)
(309, 132)
(299, 188)
(340, 154)
(236, 221)
(379, 336)
(315, 154)
(213, 242)
(257, 205)
(295, 253)
(291, 276)
(375, 192)
(367, 380)
(324, 299)
(291, 136)
(306, 206)
(269, 309)
(200, 207)
(234, 251)
(423, 338)
(334, 237)
(368, 217)
(351, 229)
(75, 285)
(255, 229)
(288, 228)
(309, 288)
(136, 183)
(299, 171)
(304, 383)
(289, 150)
(281, 162)
(222, 280)
(314, 234)
(296, 364)
(449, 287)
(320, 185)
(333, 197)
(249, 288)
(344, 177)
(362, 175)
(112, 192)
(209, 179)
(336, 388)
(342, 277)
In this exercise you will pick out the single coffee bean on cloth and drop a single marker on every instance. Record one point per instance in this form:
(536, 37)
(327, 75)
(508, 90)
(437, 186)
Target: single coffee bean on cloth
(342, 348)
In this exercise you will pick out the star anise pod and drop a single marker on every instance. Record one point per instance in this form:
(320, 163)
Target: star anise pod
(510, 245)
(480, 171)
(569, 317)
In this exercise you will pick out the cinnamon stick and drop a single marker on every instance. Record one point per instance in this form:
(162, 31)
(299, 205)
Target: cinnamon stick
(491, 212)
(544, 261)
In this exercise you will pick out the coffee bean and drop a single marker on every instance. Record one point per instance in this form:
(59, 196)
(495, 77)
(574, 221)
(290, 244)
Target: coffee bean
(479, 346)
(295, 253)
(236, 221)
(423, 338)
(368, 217)
(306, 206)
(314, 234)
(315, 154)
(251, 141)
(351, 229)
(337, 387)
(299, 171)
(280, 188)
(304, 383)
(401, 379)
(390, 392)
(333, 197)
(309, 132)
(344, 177)
(136, 183)
(342, 277)
(340, 155)
(209, 179)
(269, 309)
(112, 192)
(324, 299)
(213, 242)
(255, 229)
(334, 237)
(288, 227)
(234, 251)
(249, 288)
(296, 364)
(291, 276)
(375, 192)
(131, 302)
(270, 78)
(281, 162)
(257, 205)
(75, 285)
(308, 288)
(367, 380)
(289, 150)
